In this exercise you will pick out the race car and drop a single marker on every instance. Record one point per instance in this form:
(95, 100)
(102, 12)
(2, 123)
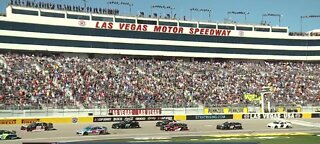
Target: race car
(38, 126)
(93, 130)
(164, 122)
(229, 126)
(280, 124)
(162, 127)
(8, 135)
(174, 126)
(126, 124)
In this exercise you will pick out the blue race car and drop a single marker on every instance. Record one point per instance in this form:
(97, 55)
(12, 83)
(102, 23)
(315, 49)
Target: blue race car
(93, 130)
(8, 135)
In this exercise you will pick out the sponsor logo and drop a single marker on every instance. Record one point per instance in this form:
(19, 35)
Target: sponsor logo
(204, 117)
(215, 110)
(166, 118)
(246, 116)
(140, 118)
(128, 112)
(74, 120)
(117, 119)
(102, 119)
(4, 122)
(82, 23)
(28, 121)
(151, 118)
(209, 117)
(272, 116)
(315, 115)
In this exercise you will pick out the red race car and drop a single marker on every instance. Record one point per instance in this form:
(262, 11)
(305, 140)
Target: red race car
(174, 126)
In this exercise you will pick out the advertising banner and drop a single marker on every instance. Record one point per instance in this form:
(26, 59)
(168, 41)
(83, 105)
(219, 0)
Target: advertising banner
(136, 118)
(8, 121)
(28, 121)
(272, 116)
(315, 115)
(130, 112)
(209, 117)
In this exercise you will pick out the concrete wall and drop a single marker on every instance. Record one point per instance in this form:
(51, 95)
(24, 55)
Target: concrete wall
(165, 111)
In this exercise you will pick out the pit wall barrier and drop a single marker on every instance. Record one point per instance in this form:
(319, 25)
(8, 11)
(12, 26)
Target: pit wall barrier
(209, 117)
(272, 116)
(257, 109)
(240, 116)
(136, 118)
(55, 120)
(90, 119)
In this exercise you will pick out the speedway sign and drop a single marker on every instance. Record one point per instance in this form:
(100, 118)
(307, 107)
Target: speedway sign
(272, 116)
(130, 112)
(160, 28)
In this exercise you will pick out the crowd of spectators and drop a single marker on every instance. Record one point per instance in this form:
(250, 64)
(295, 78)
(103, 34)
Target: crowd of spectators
(74, 82)
(65, 7)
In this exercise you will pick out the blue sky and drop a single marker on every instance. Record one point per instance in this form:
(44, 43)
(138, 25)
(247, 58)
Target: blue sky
(290, 9)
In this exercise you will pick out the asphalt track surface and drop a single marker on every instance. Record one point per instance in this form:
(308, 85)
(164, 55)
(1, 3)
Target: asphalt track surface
(67, 132)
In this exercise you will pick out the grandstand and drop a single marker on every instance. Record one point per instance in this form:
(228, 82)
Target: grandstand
(145, 68)
(55, 81)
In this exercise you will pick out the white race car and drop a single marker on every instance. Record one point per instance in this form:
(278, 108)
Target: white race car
(280, 125)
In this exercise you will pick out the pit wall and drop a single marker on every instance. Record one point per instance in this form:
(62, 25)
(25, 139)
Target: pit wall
(92, 119)
(55, 120)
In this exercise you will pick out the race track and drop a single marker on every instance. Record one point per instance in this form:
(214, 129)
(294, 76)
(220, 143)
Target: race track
(66, 132)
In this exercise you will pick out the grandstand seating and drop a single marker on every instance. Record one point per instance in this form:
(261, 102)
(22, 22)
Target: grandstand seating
(36, 81)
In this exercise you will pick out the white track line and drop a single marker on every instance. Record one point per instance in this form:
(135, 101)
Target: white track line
(111, 136)
(128, 136)
(305, 123)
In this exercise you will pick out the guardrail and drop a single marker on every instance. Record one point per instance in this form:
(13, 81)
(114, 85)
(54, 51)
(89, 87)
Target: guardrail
(56, 120)
(92, 119)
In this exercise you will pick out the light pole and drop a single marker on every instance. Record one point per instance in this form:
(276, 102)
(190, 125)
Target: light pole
(163, 7)
(112, 2)
(265, 90)
(240, 13)
(273, 15)
(85, 3)
(127, 4)
(309, 16)
(200, 10)
(121, 3)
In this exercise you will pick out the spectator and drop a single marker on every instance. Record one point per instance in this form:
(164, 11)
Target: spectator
(70, 82)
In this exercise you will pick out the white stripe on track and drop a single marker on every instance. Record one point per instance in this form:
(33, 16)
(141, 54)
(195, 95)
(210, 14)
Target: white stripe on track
(305, 123)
